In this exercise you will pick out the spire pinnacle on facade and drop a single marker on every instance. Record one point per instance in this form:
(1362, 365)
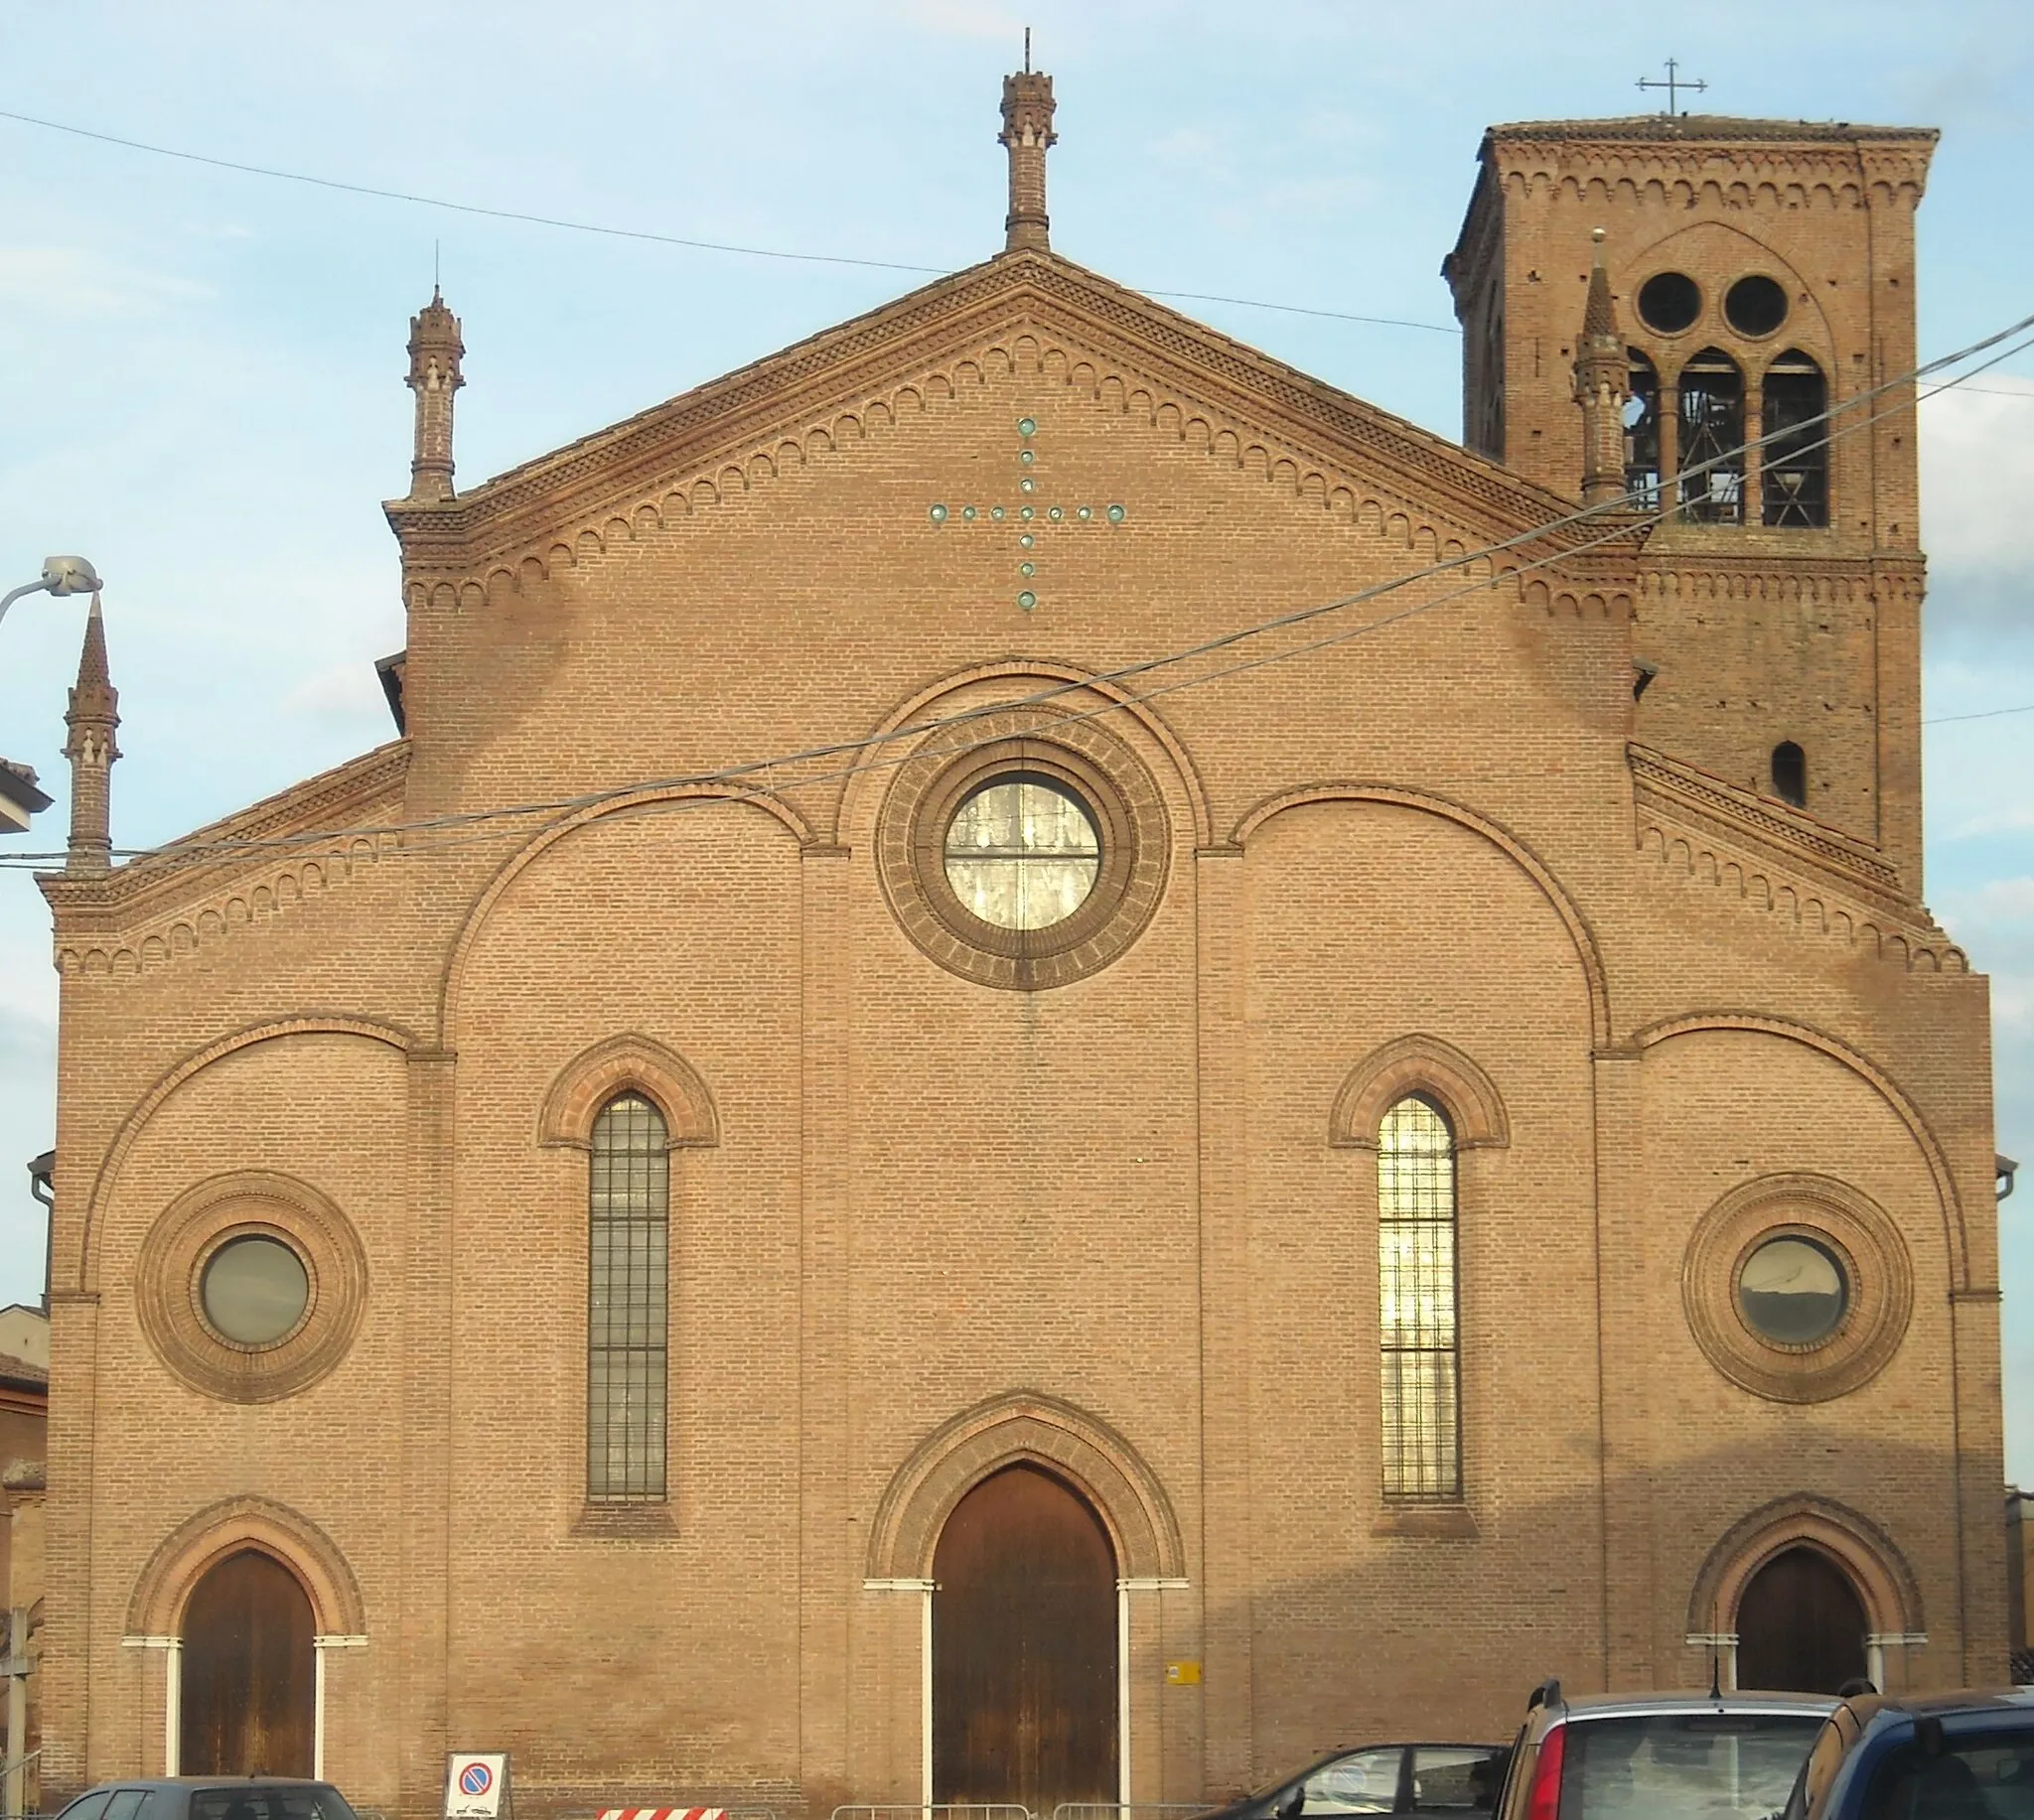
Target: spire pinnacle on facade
(1026, 134)
(92, 719)
(435, 350)
(1602, 384)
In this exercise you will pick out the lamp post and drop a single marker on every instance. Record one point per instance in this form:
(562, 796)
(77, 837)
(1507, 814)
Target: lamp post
(20, 800)
(60, 575)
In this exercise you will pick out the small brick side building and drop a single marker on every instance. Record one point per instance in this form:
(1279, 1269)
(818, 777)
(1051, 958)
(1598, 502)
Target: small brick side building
(879, 1162)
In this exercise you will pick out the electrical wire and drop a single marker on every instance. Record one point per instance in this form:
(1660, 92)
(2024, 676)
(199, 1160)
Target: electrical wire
(1985, 714)
(635, 233)
(1624, 526)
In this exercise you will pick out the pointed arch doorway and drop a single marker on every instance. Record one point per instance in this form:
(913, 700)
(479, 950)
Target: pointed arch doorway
(1801, 1625)
(249, 1674)
(1024, 1646)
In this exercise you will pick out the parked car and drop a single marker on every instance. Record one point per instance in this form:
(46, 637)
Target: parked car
(1935, 1757)
(211, 1797)
(1659, 1757)
(1379, 1779)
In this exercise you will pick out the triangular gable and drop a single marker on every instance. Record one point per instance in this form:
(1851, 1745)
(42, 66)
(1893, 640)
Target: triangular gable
(733, 425)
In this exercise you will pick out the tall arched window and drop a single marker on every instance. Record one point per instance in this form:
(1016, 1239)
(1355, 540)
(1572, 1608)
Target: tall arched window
(1642, 434)
(1416, 1330)
(1797, 470)
(1712, 438)
(627, 1303)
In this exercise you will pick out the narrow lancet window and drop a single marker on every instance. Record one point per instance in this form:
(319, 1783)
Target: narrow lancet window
(1795, 484)
(1416, 1330)
(626, 1301)
(1790, 773)
(1641, 435)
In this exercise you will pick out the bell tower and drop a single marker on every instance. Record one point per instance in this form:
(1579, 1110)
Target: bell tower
(1749, 314)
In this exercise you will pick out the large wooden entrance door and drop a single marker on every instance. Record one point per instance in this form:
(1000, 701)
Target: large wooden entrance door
(249, 1681)
(1024, 1647)
(1799, 1626)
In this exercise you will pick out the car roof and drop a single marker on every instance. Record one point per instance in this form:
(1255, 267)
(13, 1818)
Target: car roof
(207, 1782)
(1751, 1704)
(1943, 1705)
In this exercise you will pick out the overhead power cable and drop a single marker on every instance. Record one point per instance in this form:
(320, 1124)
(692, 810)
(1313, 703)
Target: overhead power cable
(644, 235)
(1984, 713)
(1622, 523)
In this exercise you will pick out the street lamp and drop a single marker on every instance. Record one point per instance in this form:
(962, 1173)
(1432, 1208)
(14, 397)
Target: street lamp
(19, 798)
(60, 575)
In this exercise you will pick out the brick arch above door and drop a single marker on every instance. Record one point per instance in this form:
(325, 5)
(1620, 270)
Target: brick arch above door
(1045, 1430)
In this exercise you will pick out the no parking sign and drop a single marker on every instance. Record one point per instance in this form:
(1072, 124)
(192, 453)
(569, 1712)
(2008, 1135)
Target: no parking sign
(477, 1785)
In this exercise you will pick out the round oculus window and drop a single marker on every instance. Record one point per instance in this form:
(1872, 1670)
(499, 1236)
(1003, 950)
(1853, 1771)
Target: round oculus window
(1021, 852)
(254, 1289)
(1670, 302)
(1793, 1292)
(1755, 306)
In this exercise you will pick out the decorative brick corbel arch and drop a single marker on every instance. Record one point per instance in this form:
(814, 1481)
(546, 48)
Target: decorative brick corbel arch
(1025, 1425)
(201, 1542)
(1595, 979)
(310, 1023)
(1426, 1066)
(624, 1064)
(1869, 1558)
(647, 800)
(1949, 1204)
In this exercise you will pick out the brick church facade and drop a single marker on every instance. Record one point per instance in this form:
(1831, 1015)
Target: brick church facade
(875, 1164)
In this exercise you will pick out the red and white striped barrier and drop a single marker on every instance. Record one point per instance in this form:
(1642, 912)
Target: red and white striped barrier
(663, 1813)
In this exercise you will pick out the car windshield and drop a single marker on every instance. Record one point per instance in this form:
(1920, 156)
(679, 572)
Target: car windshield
(1699, 1766)
(292, 1801)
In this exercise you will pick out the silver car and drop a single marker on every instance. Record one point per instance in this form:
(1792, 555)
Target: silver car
(1659, 1757)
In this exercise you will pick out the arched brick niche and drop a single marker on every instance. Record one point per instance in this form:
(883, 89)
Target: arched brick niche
(1867, 1555)
(625, 1065)
(1419, 1065)
(198, 1544)
(1025, 1425)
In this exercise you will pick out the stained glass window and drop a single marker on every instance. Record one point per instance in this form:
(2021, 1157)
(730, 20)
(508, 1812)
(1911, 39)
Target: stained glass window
(626, 1307)
(1022, 853)
(1417, 1331)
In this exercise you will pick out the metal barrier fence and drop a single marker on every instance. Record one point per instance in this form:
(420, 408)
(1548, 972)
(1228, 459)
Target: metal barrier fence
(935, 1810)
(1124, 1810)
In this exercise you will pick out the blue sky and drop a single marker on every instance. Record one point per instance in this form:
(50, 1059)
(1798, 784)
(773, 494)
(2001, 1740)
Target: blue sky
(200, 371)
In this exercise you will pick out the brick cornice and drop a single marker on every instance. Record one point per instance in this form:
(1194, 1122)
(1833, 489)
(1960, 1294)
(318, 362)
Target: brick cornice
(1713, 803)
(184, 881)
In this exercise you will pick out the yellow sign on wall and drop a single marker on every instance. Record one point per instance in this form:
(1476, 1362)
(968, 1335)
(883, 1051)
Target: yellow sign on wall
(1182, 1674)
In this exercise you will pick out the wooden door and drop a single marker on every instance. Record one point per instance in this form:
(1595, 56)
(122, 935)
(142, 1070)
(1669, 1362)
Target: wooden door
(1024, 1647)
(1799, 1626)
(249, 1681)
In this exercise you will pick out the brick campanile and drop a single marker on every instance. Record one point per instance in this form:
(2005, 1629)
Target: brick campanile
(1027, 132)
(1602, 384)
(434, 355)
(92, 717)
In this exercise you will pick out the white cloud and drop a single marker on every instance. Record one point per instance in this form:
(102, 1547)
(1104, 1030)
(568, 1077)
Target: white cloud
(345, 692)
(1976, 474)
(2018, 818)
(69, 281)
(961, 19)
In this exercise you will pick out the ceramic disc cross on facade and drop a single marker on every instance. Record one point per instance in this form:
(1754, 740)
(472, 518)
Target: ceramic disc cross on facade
(1029, 516)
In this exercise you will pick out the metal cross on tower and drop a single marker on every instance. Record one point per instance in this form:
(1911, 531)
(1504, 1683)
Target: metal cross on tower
(1674, 84)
